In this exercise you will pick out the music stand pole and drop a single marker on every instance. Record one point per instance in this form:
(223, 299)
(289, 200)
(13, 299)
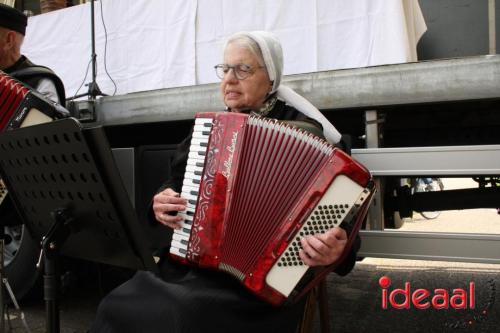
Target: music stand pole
(2, 303)
(51, 244)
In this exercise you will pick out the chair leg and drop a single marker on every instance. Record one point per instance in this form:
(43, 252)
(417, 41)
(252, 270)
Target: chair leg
(323, 307)
(306, 323)
(317, 297)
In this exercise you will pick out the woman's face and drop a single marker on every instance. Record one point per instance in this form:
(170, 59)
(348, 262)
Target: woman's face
(250, 92)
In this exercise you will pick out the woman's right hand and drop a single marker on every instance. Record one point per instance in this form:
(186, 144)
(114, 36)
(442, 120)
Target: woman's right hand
(166, 202)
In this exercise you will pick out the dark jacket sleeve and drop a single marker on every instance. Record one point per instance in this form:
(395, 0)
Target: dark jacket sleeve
(178, 167)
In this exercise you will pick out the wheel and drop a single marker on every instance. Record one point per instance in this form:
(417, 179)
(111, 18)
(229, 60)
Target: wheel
(435, 185)
(21, 253)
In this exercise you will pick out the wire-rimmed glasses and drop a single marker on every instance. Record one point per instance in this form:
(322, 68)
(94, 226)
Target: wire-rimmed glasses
(241, 71)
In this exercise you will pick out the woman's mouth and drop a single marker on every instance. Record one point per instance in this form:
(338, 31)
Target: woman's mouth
(232, 94)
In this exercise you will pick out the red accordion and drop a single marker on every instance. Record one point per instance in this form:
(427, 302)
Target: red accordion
(20, 106)
(255, 186)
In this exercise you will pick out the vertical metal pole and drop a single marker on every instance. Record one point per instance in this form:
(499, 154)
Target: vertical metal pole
(376, 211)
(51, 287)
(2, 301)
(492, 27)
(92, 35)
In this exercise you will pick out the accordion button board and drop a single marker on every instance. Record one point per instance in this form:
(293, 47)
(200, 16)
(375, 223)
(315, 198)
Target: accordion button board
(333, 209)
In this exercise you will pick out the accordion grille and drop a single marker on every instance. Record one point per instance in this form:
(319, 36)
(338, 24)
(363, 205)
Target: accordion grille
(277, 165)
(11, 95)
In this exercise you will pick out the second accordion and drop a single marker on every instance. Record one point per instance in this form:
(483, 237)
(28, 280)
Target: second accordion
(255, 187)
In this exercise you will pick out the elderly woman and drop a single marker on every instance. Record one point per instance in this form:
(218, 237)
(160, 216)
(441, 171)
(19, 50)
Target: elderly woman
(186, 299)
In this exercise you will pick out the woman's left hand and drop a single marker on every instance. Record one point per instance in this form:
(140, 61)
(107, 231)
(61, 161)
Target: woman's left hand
(323, 249)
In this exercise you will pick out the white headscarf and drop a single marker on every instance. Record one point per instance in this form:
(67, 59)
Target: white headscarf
(272, 53)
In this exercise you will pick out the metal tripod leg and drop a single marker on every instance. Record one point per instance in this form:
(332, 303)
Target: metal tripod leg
(5, 282)
(16, 305)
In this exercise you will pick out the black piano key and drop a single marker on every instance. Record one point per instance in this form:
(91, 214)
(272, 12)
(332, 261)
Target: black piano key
(198, 173)
(185, 242)
(196, 181)
(204, 144)
(190, 212)
(192, 202)
(183, 251)
(201, 153)
(207, 133)
(187, 231)
(207, 124)
(199, 164)
(193, 192)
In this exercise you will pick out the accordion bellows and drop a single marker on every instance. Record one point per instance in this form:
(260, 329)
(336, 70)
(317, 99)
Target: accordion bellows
(255, 187)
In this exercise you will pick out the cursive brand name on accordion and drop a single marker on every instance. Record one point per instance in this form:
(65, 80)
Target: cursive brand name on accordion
(231, 148)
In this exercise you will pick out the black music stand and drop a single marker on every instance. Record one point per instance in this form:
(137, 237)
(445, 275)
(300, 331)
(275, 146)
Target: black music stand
(65, 185)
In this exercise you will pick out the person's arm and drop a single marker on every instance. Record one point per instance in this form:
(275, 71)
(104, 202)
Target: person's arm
(167, 201)
(47, 88)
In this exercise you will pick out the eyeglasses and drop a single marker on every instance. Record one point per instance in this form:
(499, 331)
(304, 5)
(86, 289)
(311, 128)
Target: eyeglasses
(241, 71)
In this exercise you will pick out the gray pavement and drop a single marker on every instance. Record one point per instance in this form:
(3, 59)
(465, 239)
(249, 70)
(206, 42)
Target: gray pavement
(355, 301)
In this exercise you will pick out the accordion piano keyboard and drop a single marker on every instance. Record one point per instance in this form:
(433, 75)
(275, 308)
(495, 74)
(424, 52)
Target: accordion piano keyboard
(191, 184)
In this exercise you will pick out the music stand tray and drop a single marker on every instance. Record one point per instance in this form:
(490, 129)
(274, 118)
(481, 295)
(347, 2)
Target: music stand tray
(66, 187)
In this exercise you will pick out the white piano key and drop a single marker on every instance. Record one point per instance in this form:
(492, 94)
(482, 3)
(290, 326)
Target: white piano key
(193, 168)
(189, 196)
(201, 134)
(190, 182)
(187, 218)
(184, 230)
(178, 252)
(196, 148)
(201, 128)
(189, 188)
(191, 175)
(182, 233)
(195, 155)
(190, 206)
(179, 245)
(199, 141)
(197, 162)
(180, 237)
(203, 121)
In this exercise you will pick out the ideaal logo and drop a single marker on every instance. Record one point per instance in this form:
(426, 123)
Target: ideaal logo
(458, 298)
(423, 298)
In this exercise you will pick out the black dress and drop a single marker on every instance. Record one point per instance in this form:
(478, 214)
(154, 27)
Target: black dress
(186, 299)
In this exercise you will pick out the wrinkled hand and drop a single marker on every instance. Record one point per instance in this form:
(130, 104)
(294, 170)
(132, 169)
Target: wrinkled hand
(166, 202)
(323, 249)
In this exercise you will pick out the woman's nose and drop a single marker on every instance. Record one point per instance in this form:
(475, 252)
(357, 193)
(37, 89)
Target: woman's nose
(230, 76)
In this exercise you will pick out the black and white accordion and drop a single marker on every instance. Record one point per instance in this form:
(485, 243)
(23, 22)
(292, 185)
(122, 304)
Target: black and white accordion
(20, 107)
(254, 187)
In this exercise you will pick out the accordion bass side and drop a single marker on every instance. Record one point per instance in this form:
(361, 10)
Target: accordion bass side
(20, 106)
(254, 187)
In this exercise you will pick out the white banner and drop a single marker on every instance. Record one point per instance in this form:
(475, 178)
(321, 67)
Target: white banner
(154, 44)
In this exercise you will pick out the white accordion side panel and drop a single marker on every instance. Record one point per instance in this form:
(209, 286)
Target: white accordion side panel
(331, 210)
(35, 117)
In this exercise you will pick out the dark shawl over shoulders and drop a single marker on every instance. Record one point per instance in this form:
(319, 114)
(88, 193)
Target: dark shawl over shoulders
(30, 74)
